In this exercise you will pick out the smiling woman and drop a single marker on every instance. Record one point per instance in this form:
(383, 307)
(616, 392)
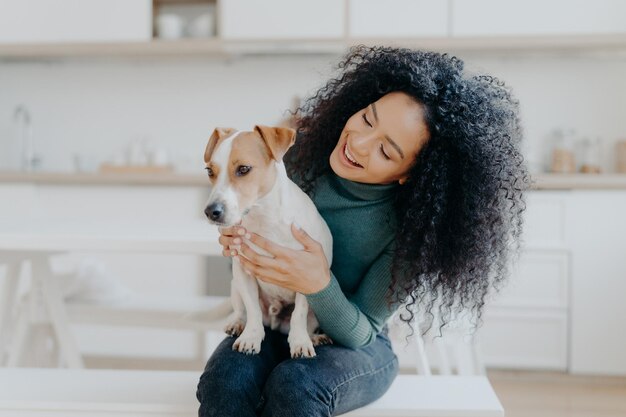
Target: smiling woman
(415, 166)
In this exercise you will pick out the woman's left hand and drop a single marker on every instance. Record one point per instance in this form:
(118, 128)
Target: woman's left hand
(305, 271)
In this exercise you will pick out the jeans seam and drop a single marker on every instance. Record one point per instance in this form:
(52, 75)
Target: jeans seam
(370, 372)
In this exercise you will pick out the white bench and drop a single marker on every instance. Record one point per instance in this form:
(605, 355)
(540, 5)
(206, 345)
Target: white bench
(125, 393)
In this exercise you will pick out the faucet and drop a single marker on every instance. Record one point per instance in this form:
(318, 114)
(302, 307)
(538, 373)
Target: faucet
(21, 117)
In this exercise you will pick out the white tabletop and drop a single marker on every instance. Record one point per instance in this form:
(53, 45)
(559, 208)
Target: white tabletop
(160, 392)
(61, 235)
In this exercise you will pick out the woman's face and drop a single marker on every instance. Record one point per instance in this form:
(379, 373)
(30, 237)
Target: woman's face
(381, 140)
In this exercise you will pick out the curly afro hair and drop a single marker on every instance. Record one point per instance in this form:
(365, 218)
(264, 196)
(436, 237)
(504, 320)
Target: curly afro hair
(460, 213)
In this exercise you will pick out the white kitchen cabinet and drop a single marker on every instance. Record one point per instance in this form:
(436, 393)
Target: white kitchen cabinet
(45, 21)
(526, 325)
(281, 19)
(537, 17)
(541, 279)
(397, 18)
(564, 306)
(596, 225)
(522, 338)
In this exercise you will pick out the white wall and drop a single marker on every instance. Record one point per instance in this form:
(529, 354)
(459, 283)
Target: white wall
(96, 107)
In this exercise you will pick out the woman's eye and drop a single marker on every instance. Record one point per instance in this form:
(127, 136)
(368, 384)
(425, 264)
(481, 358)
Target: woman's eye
(366, 121)
(382, 150)
(209, 172)
(243, 170)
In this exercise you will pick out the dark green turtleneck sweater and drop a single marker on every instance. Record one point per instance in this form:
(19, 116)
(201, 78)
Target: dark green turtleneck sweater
(353, 309)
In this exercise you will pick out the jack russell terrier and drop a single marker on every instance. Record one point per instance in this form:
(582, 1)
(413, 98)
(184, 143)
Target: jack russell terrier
(249, 185)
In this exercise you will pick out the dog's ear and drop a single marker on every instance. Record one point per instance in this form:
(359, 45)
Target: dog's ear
(218, 134)
(277, 139)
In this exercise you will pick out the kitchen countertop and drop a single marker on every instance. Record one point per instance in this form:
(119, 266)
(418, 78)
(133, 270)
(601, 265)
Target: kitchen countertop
(541, 181)
(96, 178)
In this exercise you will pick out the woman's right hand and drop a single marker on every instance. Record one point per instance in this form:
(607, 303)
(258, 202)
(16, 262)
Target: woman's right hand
(230, 239)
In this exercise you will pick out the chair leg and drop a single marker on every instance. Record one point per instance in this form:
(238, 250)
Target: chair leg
(479, 364)
(7, 305)
(57, 316)
(443, 361)
(22, 333)
(423, 366)
(464, 358)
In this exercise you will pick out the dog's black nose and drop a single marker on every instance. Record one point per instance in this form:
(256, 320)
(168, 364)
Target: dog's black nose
(215, 211)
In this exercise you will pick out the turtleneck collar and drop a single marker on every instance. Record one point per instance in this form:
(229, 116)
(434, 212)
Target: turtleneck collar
(363, 191)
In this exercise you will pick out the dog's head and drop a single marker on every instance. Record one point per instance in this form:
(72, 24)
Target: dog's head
(240, 166)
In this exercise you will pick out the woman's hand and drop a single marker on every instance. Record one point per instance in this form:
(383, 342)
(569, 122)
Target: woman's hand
(305, 271)
(227, 234)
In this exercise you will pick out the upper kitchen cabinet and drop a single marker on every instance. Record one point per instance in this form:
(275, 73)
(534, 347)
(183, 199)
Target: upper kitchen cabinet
(397, 18)
(537, 17)
(281, 19)
(45, 21)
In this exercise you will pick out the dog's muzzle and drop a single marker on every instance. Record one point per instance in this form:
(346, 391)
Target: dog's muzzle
(215, 212)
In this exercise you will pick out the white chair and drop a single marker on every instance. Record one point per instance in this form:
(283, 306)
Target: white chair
(30, 334)
(456, 351)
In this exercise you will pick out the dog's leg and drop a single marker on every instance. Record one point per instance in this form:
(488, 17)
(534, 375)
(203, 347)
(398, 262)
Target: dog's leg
(250, 339)
(238, 318)
(312, 326)
(300, 344)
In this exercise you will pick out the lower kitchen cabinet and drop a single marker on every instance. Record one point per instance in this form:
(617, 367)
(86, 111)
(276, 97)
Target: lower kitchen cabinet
(527, 324)
(518, 338)
(596, 222)
(563, 308)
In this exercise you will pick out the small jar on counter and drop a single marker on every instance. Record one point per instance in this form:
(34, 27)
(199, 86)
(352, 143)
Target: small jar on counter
(620, 154)
(563, 160)
(590, 155)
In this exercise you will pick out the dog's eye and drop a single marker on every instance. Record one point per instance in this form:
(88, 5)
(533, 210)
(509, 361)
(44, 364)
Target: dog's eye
(209, 172)
(243, 170)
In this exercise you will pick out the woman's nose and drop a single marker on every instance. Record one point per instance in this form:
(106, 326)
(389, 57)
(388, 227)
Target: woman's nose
(361, 143)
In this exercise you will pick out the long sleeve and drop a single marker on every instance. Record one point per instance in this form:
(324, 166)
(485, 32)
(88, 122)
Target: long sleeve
(356, 320)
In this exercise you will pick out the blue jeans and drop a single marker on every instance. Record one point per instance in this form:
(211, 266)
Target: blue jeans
(337, 380)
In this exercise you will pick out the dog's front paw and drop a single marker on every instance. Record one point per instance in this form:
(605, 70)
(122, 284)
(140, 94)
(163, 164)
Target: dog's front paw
(321, 339)
(235, 327)
(250, 341)
(301, 347)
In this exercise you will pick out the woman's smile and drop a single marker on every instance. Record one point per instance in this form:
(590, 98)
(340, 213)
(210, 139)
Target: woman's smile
(375, 140)
(348, 159)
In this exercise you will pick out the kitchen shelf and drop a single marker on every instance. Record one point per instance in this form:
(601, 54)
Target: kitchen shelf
(579, 181)
(218, 47)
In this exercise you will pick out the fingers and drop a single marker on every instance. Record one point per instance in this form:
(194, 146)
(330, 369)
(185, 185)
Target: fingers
(260, 272)
(271, 247)
(257, 259)
(303, 237)
(227, 235)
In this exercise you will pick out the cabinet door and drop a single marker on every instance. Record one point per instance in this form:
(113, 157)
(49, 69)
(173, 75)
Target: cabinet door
(525, 338)
(537, 17)
(281, 19)
(75, 20)
(540, 279)
(398, 18)
(597, 226)
(544, 219)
